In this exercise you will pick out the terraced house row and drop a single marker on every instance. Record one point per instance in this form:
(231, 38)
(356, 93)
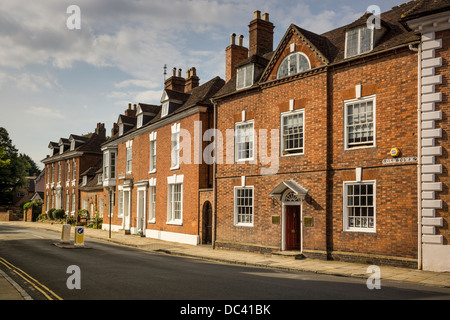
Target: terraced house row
(333, 146)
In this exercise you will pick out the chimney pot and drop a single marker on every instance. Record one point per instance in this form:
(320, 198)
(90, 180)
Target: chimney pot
(193, 71)
(257, 14)
(129, 106)
(266, 16)
(179, 73)
(233, 39)
(174, 72)
(241, 40)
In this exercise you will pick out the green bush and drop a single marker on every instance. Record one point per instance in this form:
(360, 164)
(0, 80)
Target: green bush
(50, 213)
(42, 216)
(58, 214)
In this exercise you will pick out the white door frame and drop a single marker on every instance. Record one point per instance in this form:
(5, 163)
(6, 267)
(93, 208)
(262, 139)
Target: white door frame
(288, 202)
(141, 212)
(126, 222)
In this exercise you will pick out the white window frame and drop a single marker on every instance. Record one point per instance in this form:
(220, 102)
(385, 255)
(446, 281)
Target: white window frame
(106, 166)
(235, 205)
(346, 225)
(152, 151)
(358, 44)
(175, 147)
(129, 156)
(68, 172)
(140, 118)
(74, 171)
(109, 165)
(236, 142)
(152, 201)
(101, 202)
(120, 203)
(372, 144)
(287, 114)
(172, 181)
(165, 108)
(241, 77)
(74, 200)
(67, 202)
(287, 60)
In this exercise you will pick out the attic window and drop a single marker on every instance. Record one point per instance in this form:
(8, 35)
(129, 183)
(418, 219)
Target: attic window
(245, 76)
(358, 41)
(165, 109)
(294, 63)
(140, 119)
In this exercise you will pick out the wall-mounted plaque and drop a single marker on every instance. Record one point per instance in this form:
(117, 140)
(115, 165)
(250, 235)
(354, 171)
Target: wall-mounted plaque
(275, 219)
(308, 221)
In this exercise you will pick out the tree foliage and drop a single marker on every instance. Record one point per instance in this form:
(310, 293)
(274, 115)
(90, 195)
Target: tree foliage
(13, 168)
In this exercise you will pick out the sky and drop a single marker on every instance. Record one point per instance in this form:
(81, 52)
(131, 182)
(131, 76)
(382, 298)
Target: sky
(57, 80)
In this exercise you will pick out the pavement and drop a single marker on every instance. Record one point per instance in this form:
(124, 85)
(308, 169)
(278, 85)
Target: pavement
(9, 290)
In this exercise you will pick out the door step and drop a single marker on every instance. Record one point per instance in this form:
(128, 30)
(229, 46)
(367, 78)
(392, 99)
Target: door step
(294, 255)
(123, 231)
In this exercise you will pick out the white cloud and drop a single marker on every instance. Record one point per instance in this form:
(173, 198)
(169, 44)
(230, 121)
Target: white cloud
(45, 112)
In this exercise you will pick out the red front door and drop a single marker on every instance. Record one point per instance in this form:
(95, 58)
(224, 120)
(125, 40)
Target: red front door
(292, 231)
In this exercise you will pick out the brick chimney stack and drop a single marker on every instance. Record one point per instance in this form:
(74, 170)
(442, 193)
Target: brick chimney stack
(235, 54)
(131, 111)
(100, 130)
(175, 82)
(192, 81)
(261, 34)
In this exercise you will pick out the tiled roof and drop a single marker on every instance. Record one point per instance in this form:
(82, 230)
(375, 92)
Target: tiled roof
(199, 96)
(426, 7)
(331, 45)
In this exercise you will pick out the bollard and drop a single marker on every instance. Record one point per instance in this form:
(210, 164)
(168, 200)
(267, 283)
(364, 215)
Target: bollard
(65, 233)
(79, 236)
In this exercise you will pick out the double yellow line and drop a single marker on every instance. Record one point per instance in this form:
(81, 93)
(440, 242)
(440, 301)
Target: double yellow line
(49, 294)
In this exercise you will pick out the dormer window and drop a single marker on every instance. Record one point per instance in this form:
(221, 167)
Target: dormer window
(140, 119)
(245, 76)
(165, 109)
(358, 41)
(294, 63)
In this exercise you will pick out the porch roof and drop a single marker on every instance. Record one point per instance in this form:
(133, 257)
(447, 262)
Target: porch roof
(292, 185)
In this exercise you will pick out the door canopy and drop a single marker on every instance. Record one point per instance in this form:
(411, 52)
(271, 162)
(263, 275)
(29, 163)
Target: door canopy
(291, 185)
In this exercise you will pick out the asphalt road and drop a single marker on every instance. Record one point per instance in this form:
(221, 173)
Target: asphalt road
(111, 272)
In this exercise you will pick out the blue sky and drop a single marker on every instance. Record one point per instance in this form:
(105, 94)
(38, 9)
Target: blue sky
(55, 81)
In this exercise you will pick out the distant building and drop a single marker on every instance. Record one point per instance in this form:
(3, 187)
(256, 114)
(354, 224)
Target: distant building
(68, 159)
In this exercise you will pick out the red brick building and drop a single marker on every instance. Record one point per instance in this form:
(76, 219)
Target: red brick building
(153, 166)
(68, 159)
(325, 155)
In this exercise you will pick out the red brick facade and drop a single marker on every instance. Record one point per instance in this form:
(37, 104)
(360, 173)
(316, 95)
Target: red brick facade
(333, 149)
(63, 169)
(326, 166)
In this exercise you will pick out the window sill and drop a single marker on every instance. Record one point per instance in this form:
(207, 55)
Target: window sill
(358, 147)
(175, 222)
(152, 171)
(175, 168)
(292, 154)
(246, 225)
(359, 230)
